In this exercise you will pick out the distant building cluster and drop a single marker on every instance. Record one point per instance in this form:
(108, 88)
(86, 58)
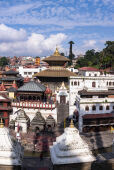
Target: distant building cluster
(46, 92)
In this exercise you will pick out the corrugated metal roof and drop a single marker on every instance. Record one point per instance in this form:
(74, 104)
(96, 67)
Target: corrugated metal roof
(32, 86)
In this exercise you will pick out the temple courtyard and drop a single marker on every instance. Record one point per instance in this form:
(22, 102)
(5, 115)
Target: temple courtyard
(37, 156)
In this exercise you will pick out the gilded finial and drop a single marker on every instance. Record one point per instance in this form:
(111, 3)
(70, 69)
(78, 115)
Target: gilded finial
(1, 123)
(71, 124)
(56, 53)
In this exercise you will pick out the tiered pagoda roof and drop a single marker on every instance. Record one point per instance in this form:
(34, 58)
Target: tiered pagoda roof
(55, 72)
(56, 57)
(56, 69)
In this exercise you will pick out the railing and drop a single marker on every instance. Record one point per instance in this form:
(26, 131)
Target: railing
(97, 100)
(34, 105)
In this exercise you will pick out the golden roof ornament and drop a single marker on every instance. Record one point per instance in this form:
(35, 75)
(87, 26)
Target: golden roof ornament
(56, 53)
(1, 123)
(71, 124)
(63, 85)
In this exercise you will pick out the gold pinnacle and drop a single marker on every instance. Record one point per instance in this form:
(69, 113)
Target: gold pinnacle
(71, 124)
(1, 123)
(56, 53)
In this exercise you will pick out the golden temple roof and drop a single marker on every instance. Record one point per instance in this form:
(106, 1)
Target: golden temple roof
(55, 72)
(56, 57)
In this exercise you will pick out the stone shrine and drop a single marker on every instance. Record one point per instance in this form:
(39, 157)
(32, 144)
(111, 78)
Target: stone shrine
(70, 149)
(22, 120)
(11, 152)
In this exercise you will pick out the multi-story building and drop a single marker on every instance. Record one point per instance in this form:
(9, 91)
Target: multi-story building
(91, 94)
(29, 71)
(5, 108)
(8, 77)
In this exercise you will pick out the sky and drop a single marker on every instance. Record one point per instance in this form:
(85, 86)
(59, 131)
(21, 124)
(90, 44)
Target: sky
(37, 27)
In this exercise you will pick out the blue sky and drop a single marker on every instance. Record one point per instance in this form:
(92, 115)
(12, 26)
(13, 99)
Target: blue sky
(35, 27)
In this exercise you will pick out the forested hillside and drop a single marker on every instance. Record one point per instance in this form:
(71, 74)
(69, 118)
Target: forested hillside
(103, 59)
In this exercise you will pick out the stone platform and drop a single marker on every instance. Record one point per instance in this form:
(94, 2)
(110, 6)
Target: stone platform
(104, 161)
(45, 139)
(97, 141)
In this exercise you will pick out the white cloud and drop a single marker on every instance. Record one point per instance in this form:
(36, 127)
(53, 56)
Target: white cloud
(10, 34)
(18, 43)
(89, 43)
(74, 13)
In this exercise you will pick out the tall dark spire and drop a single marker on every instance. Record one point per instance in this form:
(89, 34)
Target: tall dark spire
(70, 51)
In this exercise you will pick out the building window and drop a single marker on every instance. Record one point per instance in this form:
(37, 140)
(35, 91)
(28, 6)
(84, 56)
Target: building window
(29, 73)
(93, 107)
(35, 72)
(95, 75)
(72, 83)
(87, 108)
(100, 107)
(89, 75)
(107, 107)
(93, 84)
(75, 83)
(109, 83)
(25, 73)
(113, 107)
(78, 83)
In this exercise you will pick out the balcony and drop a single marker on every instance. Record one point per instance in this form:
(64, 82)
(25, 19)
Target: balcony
(94, 100)
(34, 105)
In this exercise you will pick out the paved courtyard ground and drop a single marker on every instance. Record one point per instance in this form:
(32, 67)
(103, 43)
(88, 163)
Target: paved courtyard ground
(100, 143)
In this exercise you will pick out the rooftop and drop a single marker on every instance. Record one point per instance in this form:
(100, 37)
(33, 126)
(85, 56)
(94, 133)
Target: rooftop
(104, 92)
(56, 57)
(88, 69)
(10, 72)
(32, 86)
(55, 72)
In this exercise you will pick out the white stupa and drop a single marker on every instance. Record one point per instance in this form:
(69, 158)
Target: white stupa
(11, 152)
(70, 148)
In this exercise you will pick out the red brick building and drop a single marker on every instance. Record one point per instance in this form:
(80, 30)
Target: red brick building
(5, 109)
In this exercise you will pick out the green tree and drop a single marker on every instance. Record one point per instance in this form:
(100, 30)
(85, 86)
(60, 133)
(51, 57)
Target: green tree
(102, 59)
(4, 61)
(62, 54)
(107, 55)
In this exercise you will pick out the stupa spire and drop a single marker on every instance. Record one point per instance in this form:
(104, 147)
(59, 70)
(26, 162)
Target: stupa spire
(71, 124)
(56, 53)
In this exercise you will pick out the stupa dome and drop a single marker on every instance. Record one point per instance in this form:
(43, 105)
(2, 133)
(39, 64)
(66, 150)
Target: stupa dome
(11, 151)
(70, 148)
